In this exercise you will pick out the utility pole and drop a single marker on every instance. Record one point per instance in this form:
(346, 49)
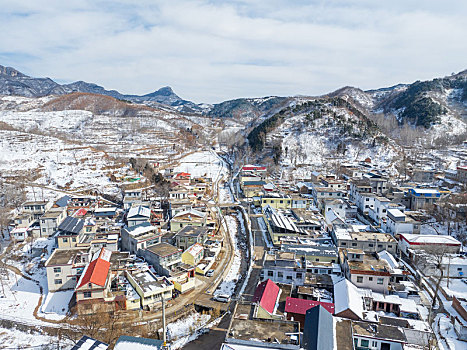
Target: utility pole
(164, 326)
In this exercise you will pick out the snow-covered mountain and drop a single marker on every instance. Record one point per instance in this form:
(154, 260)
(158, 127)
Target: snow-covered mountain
(13, 82)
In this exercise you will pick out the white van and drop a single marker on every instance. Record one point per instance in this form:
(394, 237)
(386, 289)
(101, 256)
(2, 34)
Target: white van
(223, 298)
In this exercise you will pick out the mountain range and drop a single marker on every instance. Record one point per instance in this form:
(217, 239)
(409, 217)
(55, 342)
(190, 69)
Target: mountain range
(422, 103)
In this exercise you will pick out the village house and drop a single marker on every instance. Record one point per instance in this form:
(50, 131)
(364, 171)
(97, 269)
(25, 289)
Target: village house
(50, 221)
(150, 288)
(399, 222)
(282, 267)
(69, 232)
(368, 241)
(138, 215)
(445, 243)
(93, 283)
(189, 235)
(422, 198)
(139, 237)
(193, 254)
(162, 257)
(36, 208)
(364, 270)
(266, 300)
(295, 309)
(190, 217)
(64, 266)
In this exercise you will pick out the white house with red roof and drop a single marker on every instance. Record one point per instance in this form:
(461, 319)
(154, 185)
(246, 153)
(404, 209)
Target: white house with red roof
(266, 300)
(93, 283)
(415, 242)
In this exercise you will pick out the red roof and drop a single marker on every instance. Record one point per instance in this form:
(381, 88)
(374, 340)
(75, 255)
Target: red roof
(254, 167)
(266, 294)
(183, 175)
(97, 270)
(300, 306)
(81, 212)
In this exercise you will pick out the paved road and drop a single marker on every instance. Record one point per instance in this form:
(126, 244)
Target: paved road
(216, 335)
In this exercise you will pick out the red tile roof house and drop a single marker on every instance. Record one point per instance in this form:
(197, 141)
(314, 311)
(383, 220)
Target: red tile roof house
(296, 309)
(94, 284)
(183, 178)
(266, 300)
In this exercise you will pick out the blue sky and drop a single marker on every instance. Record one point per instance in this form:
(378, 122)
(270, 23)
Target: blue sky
(209, 51)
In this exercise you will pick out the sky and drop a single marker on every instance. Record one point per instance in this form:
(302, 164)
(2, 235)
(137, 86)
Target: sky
(210, 51)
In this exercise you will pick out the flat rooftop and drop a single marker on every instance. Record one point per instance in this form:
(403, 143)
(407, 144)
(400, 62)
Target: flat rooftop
(371, 236)
(266, 331)
(378, 331)
(65, 256)
(149, 282)
(163, 249)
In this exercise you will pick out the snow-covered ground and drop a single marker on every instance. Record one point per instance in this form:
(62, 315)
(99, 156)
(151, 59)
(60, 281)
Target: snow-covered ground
(16, 339)
(55, 305)
(457, 287)
(448, 341)
(202, 163)
(19, 299)
(186, 329)
(227, 286)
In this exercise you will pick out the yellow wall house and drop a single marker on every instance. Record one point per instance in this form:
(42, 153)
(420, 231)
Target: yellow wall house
(150, 288)
(193, 255)
(281, 202)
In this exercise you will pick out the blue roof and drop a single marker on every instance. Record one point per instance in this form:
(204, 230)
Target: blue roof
(63, 201)
(88, 343)
(136, 340)
(318, 333)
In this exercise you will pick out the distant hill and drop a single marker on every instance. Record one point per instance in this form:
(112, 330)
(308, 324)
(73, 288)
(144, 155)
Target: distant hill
(13, 82)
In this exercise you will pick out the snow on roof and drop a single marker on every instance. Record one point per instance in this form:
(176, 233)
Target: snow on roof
(385, 255)
(416, 239)
(104, 210)
(126, 342)
(139, 211)
(195, 249)
(342, 233)
(300, 306)
(396, 213)
(332, 216)
(191, 212)
(348, 297)
(266, 294)
(425, 190)
(140, 228)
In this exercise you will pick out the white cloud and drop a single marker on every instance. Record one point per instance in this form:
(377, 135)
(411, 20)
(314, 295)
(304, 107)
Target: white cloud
(209, 51)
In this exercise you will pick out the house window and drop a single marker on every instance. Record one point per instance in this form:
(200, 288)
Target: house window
(89, 285)
(364, 343)
(380, 280)
(344, 243)
(289, 278)
(380, 246)
(58, 281)
(281, 201)
(44, 229)
(354, 244)
(65, 240)
(87, 294)
(390, 246)
(359, 279)
(299, 275)
(317, 259)
(459, 269)
(370, 244)
(73, 239)
(57, 269)
(370, 278)
(280, 275)
(270, 273)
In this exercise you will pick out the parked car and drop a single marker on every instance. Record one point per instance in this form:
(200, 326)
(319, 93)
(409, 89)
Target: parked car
(210, 273)
(223, 298)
